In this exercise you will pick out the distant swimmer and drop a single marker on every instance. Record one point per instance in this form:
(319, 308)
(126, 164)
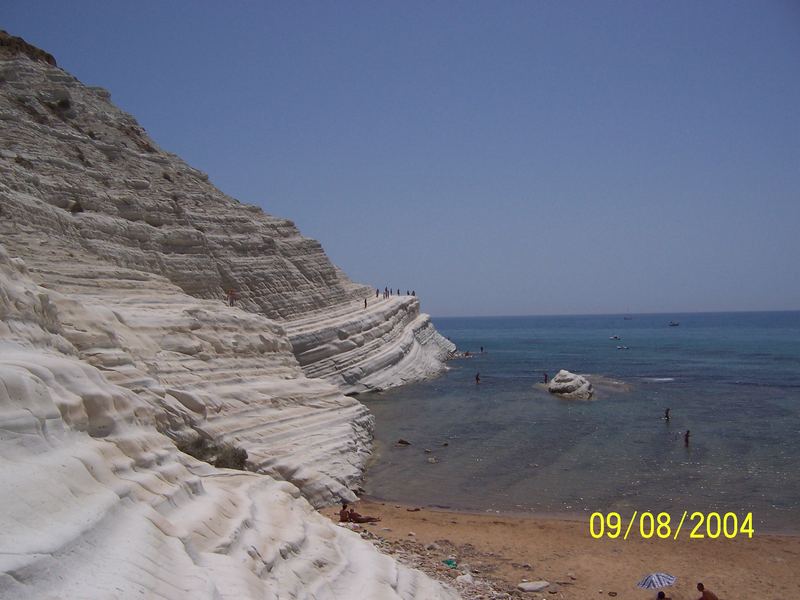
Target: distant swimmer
(666, 414)
(477, 378)
(686, 438)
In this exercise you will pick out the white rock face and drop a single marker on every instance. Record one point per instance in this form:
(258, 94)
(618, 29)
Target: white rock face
(77, 168)
(116, 342)
(570, 385)
(98, 504)
(388, 344)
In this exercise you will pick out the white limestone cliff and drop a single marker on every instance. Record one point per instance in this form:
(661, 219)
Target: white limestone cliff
(98, 504)
(116, 345)
(76, 167)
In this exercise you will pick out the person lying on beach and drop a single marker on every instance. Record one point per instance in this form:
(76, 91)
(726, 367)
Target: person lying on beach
(707, 594)
(357, 518)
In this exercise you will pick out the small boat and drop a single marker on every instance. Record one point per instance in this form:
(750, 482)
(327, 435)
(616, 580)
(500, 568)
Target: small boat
(673, 323)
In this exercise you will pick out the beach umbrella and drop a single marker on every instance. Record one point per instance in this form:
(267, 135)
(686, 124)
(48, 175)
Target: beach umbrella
(657, 580)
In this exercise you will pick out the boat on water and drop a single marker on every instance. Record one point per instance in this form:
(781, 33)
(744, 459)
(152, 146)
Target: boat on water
(673, 323)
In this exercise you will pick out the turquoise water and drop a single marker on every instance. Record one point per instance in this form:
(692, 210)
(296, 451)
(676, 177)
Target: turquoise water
(733, 379)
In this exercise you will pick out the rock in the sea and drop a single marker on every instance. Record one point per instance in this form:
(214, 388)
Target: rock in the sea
(533, 586)
(570, 385)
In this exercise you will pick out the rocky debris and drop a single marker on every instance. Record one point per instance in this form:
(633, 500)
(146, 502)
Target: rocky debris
(466, 578)
(533, 586)
(570, 385)
(440, 560)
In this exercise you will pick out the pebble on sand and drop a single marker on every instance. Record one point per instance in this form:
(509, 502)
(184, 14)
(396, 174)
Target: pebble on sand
(533, 586)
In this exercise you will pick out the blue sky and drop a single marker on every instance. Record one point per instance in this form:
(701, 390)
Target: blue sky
(499, 158)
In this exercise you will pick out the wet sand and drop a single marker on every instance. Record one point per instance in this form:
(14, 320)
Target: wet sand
(504, 550)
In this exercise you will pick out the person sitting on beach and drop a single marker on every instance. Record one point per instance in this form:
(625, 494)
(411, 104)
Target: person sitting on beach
(662, 596)
(357, 518)
(344, 515)
(707, 594)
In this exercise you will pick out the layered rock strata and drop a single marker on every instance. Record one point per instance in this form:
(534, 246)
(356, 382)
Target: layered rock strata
(116, 343)
(75, 166)
(98, 504)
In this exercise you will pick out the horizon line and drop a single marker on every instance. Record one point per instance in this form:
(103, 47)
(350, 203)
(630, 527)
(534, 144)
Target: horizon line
(621, 314)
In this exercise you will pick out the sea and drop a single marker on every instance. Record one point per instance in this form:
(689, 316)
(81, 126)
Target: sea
(507, 445)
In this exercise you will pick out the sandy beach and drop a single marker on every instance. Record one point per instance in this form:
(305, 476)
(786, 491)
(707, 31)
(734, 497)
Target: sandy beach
(504, 550)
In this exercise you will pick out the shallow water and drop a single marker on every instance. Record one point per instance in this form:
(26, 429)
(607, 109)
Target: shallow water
(733, 379)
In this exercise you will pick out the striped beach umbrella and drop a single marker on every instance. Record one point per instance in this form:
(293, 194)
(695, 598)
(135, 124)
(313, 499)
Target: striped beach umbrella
(657, 580)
